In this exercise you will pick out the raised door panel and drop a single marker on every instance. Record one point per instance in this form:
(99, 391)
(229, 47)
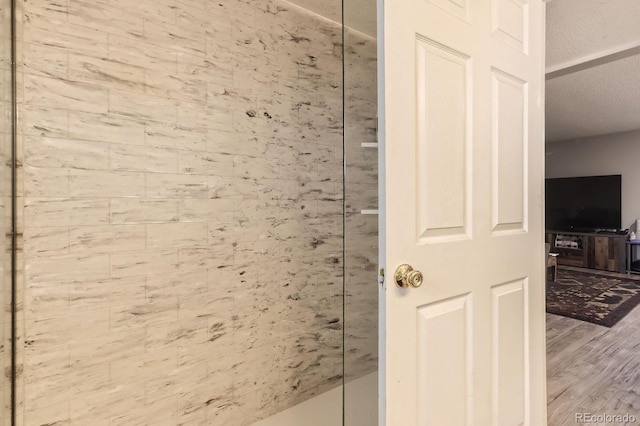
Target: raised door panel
(510, 358)
(510, 21)
(443, 148)
(458, 8)
(445, 357)
(509, 146)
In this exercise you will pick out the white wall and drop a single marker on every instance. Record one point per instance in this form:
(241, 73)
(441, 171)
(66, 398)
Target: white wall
(602, 155)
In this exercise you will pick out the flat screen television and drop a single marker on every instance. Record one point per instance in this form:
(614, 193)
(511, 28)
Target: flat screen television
(583, 204)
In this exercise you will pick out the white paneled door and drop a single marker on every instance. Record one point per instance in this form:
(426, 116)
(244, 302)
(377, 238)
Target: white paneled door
(463, 152)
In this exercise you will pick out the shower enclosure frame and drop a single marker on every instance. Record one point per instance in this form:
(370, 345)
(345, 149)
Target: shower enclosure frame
(14, 230)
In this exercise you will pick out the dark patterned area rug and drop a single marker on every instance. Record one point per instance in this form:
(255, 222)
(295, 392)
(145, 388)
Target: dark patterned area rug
(592, 297)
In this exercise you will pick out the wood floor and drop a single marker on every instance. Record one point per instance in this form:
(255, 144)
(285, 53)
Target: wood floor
(593, 369)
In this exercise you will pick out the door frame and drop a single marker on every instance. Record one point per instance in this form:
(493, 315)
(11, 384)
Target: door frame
(382, 215)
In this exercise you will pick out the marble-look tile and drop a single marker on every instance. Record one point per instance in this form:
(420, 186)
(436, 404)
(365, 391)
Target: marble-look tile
(158, 11)
(191, 234)
(300, 172)
(222, 408)
(205, 210)
(46, 241)
(134, 263)
(192, 405)
(98, 183)
(107, 239)
(110, 348)
(68, 37)
(112, 401)
(105, 128)
(204, 257)
(176, 285)
(199, 6)
(171, 136)
(57, 414)
(254, 251)
(84, 296)
(206, 163)
(40, 211)
(321, 227)
(45, 61)
(71, 268)
(279, 230)
(69, 94)
(174, 334)
(360, 322)
(177, 186)
(142, 106)
(218, 345)
(138, 367)
(183, 232)
(136, 52)
(205, 305)
(69, 327)
(233, 188)
(49, 8)
(322, 191)
(231, 232)
(45, 300)
(283, 189)
(43, 121)
(143, 210)
(168, 383)
(105, 17)
(209, 68)
(132, 318)
(158, 412)
(46, 392)
(178, 38)
(46, 182)
(227, 278)
(107, 73)
(180, 87)
(234, 97)
(207, 117)
(220, 329)
(65, 153)
(142, 158)
(254, 168)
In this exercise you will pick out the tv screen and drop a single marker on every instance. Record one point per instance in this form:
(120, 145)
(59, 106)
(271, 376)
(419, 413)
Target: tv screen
(583, 204)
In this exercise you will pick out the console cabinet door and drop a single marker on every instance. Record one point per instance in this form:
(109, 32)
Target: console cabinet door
(603, 252)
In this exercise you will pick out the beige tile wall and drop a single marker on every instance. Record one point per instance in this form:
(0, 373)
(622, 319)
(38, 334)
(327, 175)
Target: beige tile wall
(201, 260)
(361, 193)
(5, 213)
(182, 210)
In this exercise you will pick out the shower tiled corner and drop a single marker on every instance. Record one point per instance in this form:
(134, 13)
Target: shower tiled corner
(181, 211)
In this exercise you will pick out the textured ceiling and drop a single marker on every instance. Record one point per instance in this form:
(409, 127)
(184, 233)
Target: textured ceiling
(601, 99)
(595, 101)
(576, 28)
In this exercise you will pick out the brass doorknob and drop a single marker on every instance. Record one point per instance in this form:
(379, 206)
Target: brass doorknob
(406, 276)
